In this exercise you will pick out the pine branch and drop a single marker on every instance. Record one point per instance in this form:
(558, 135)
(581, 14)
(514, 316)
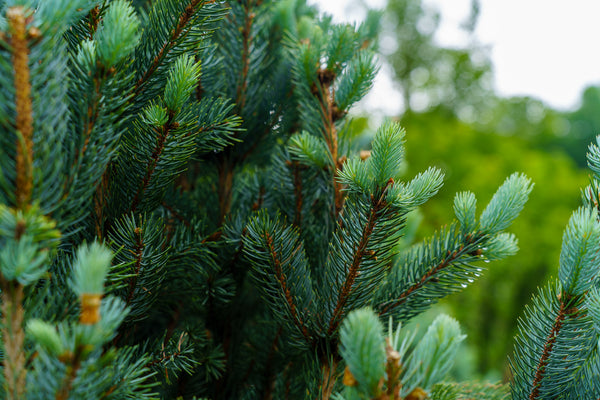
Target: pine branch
(297, 194)
(548, 347)
(360, 252)
(459, 251)
(139, 264)
(24, 117)
(162, 136)
(553, 345)
(74, 363)
(225, 187)
(138, 253)
(326, 96)
(177, 33)
(246, 31)
(13, 336)
(281, 270)
(300, 324)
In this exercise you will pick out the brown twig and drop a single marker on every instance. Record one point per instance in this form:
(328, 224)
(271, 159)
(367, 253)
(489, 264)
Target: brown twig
(100, 197)
(326, 95)
(139, 253)
(298, 194)
(328, 371)
(23, 105)
(93, 21)
(448, 260)
(548, 346)
(163, 134)
(13, 336)
(75, 364)
(246, 31)
(282, 280)
(358, 257)
(225, 189)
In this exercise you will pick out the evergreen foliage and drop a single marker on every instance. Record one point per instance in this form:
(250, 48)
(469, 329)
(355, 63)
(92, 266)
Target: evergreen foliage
(475, 159)
(556, 352)
(184, 213)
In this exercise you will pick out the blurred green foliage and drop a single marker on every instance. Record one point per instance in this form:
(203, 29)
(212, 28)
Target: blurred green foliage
(583, 124)
(430, 75)
(455, 121)
(479, 161)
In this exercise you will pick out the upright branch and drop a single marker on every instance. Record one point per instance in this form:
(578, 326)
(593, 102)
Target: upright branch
(330, 114)
(139, 254)
(12, 291)
(67, 384)
(246, 43)
(181, 29)
(328, 371)
(548, 346)
(92, 116)
(378, 204)
(100, 198)
(353, 272)
(282, 279)
(24, 118)
(567, 309)
(226, 164)
(13, 337)
(225, 189)
(162, 136)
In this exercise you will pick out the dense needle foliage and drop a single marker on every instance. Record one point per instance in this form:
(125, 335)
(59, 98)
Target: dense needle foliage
(185, 213)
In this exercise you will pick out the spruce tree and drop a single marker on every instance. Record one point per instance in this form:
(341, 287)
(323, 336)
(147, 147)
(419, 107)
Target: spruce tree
(186, 212)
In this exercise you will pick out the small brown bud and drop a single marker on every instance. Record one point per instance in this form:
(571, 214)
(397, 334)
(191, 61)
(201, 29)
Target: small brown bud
(417, 394)
(326, 76)
(349, 379)
(20, 229)
(34, 33)
(90, 308)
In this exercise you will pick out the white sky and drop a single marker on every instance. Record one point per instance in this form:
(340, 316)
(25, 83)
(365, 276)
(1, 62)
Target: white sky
(548, 49)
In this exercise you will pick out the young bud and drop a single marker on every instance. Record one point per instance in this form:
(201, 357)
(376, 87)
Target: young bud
(89, 271)
(46, 336)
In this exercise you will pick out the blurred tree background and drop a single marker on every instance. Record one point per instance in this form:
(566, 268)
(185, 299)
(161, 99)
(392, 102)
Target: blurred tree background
(455, 121)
